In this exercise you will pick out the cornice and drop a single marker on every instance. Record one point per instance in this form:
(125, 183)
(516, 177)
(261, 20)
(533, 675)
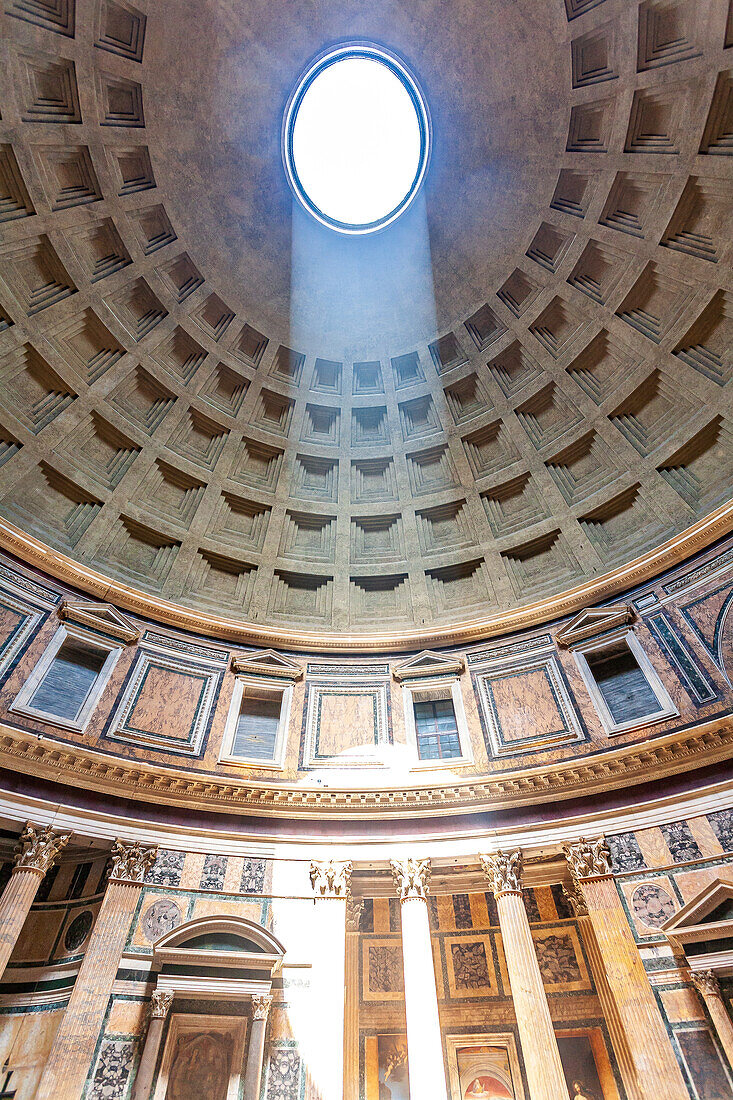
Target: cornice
(644, 568)
(684, 750)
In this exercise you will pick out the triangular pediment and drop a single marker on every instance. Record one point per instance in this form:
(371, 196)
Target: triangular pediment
(427, 664)
(267, 663)
(593, 621)
(710, 910)
(100, 616)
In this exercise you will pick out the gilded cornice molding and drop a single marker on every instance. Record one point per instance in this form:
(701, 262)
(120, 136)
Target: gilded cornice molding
(330, 878)
(504, 871)
(161, 1002)
(130, 862)
(38, 848)
(666, 556)
(79, 766)
(588, 858)
(411, 878)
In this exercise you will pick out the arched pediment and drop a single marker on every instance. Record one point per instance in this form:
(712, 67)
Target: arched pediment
(221, 940)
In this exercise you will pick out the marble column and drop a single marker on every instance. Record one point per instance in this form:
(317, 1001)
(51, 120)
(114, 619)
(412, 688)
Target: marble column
(73, 1048)
(159, 1009)
(656, 1071)
(256, 1052)
(707, 985)
(354, 907)
(331, 882)
(576, 901)
(38, 847)
(541, 1055)
(424, 1040)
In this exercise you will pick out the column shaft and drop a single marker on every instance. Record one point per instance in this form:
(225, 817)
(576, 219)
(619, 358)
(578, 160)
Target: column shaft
(610, 1010)
(351, 1008)
(71, 1054)
(539, 1046)
(149, 1059)
(656, 1068)
(424, 1041)
(328, 988)
(15, 905)
(255, 1058)
(707, 985)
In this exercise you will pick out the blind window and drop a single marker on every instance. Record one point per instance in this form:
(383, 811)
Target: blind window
(70, 678)
(625, 689)
(257, 725)
(436, 729)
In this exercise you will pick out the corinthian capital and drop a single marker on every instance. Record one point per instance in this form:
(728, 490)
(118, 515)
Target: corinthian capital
(706, 983)
(504, 871)
(576, 901)
(38, 847)
(261, 1004)
(588, 858)
(131, 861)
(411, 878)
(161, 1003)
(331, 879)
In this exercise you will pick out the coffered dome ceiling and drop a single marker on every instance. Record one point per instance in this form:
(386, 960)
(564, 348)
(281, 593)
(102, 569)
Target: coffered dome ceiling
(518, 389)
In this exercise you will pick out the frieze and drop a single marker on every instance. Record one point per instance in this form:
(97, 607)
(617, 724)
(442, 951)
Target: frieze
(699, 745)
(347, 673)
(510, 652)
(715, 565)
(203, 653)
(46, 595)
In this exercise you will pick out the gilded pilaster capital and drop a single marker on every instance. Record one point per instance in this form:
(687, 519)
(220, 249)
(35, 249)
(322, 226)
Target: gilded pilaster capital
(261, 1004)
(38, 847)
(576, 901)
(411, 878)
(706, 983)
(588, 858)
(354, 907)
(331, 879)
(131, 861)
(161, 1003)
(504, 871)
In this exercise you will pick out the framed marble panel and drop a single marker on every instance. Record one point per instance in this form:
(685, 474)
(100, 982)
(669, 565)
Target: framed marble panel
(203, 1057)
(112, 1069)
(345, 725)
(650, 903)
(469, 962)
(705, 1069)
(484, 1065)
(560, 956)
(382, 975)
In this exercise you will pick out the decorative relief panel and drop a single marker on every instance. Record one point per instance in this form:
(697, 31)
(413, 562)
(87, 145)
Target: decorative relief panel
(345, 725)
(382, 972)
(470, 966)
(112, 1070)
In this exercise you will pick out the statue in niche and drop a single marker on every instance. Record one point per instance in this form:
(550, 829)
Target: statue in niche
(200, 1067)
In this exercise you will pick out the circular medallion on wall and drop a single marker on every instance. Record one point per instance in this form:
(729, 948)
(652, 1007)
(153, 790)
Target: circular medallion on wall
(160, 917)
(653, 905)
(78, 930)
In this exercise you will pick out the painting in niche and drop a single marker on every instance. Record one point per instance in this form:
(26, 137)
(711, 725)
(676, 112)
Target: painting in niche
(580, 1068)
(709, 1078)
(485, 1073)
(394, 1083)
(200, 1067)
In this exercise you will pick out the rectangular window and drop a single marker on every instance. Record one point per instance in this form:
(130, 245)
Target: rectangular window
(436, 729)
(625, 689)
(69, 680)
(257, 726)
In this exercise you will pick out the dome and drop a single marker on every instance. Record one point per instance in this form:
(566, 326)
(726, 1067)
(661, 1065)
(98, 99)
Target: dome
(503, 406)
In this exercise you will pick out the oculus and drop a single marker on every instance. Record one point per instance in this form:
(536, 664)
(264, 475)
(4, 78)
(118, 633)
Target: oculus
(356, 138)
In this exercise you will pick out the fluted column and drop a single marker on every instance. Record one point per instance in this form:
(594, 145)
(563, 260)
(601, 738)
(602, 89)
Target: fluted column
(331, 883)
(611, 1015)
(707, 985)
(73, 1048)
(536, 1034)
(354, 907)
(36, 853)
(424, 1041)
(256, 1052)
(655, 1069)
(159, 1009)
